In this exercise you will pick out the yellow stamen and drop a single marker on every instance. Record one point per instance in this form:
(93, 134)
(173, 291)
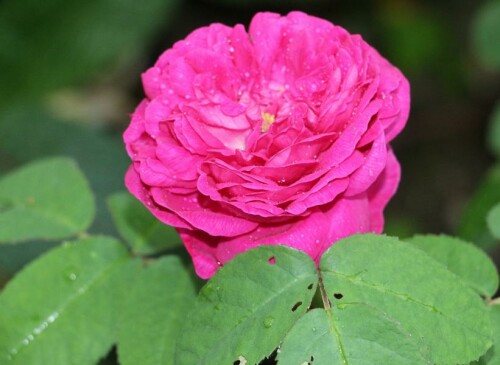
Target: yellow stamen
(267, 120)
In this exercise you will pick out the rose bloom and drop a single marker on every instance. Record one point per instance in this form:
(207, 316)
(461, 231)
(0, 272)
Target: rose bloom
(278, 135)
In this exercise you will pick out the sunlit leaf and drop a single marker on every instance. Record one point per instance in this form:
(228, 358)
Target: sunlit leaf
(495, 321)
(465, 260)
(64, 307)
(350, 334)
(245, 310)
(446, 319)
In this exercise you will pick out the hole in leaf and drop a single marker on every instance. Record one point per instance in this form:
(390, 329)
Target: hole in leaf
(296, 305)
(338, 295)
(310, 286)
(272, 260)
(312, 358)
(240, 361)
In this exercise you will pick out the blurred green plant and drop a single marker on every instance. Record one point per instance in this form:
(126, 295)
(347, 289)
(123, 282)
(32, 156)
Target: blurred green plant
(486, 34)
(480, 221)
(45, 45)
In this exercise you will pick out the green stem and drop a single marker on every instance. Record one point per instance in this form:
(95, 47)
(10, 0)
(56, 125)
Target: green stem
(494, 301)
(324, 295)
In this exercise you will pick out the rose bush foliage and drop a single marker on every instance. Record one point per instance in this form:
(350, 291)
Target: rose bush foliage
(278, 135)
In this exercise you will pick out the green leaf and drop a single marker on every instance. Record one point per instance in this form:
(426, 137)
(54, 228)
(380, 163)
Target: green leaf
(493, 134)
(465, 260)
(156, 310)
(64, 307)
(47, 199)
(493, 220)
(495, 321)
(101, 156)
(50, 44)
(246, 309)
(486, 34)
(473, 225)
(492, 357)
(145, 233)
(351, 334)
(447, 320)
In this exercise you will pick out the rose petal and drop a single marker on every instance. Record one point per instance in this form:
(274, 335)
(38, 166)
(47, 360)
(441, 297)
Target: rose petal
(375, 161)
(382, 191)
(203, 214)
(135, 186)
(313, 234)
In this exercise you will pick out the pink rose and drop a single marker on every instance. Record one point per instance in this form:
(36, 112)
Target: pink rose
(275, 136)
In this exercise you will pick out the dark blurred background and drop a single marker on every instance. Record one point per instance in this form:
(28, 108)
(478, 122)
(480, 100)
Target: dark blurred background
(70, 77)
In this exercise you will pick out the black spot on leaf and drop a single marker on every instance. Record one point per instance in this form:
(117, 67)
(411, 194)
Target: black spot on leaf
(296, 305)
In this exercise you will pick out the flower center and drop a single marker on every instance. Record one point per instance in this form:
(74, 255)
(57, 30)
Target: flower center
(267, 120)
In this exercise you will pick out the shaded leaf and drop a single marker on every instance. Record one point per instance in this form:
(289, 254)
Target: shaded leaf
(493, 133)
(47, 199)
(473, 225)
(447, 320)
(162, 294)
(463, 259)
(100, 156)
(246, 309)
(493, 220)
(64, 307)
(416, 39)
(145, 233)
(486, 34)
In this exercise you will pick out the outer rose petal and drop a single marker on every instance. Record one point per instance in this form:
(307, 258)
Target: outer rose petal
(275, 136)
(382, 191)
(345, 217)
(135, 186)
(312, 234)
